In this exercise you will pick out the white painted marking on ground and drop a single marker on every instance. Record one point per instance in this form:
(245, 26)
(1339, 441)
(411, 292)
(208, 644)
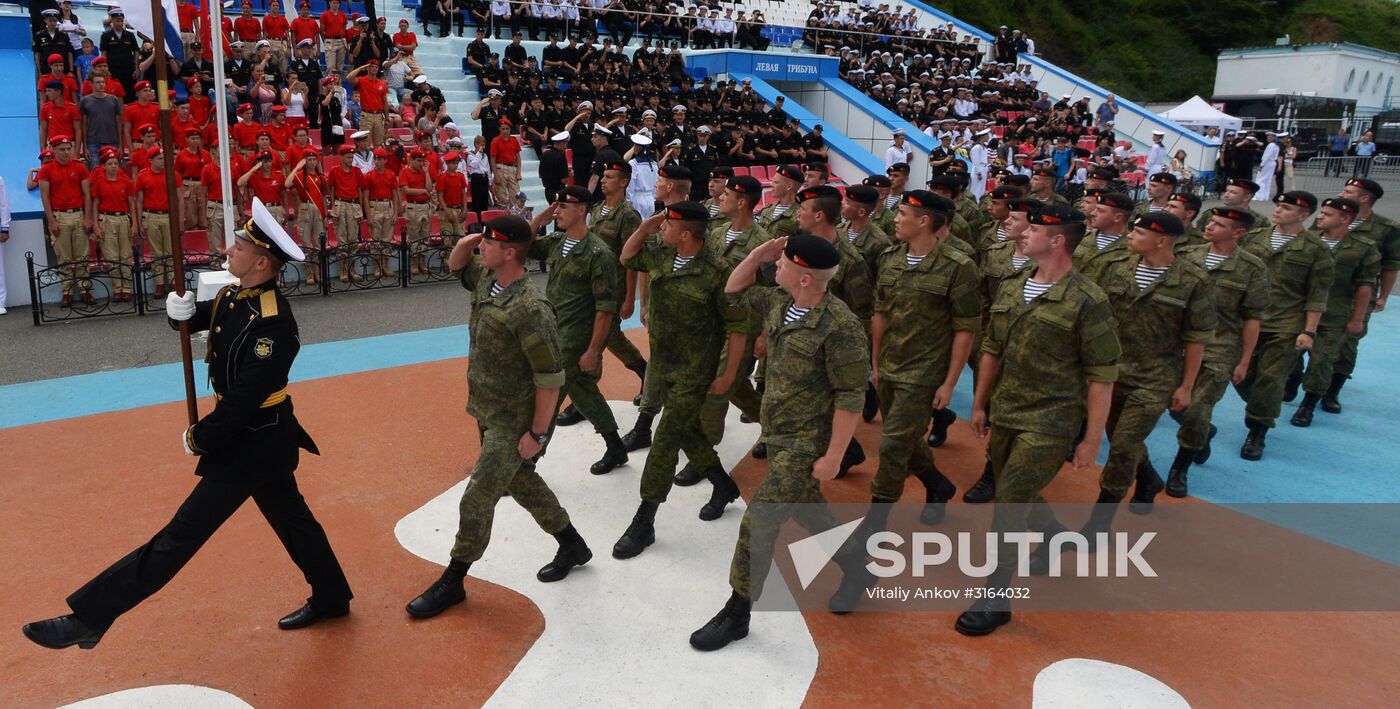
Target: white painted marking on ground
(164, 696)
(616, 632)
(1078, 683)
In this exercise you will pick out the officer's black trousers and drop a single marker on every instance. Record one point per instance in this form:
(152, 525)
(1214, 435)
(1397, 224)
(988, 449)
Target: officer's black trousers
(138, 575)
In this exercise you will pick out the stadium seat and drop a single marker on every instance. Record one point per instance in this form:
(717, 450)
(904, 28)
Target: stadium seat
(195, 244)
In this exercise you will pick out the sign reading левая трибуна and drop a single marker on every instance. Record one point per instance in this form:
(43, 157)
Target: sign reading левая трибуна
(766, 66)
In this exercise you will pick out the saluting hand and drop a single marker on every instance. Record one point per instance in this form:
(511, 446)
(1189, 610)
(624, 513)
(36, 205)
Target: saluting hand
(768, 251)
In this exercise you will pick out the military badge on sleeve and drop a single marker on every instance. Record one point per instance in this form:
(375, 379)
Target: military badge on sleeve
(263, 348)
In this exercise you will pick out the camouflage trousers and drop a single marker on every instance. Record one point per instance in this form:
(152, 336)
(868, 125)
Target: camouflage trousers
(741, 394)
(1211, 384)
(1324, 359)
(498, 469)
(652, 390)
(905, 409)
(678, 430)
(1262, 388)
(582, 389)
(1023, 463)
(1346, 359)
(788, 492)
(1131, 417)
(622, 348)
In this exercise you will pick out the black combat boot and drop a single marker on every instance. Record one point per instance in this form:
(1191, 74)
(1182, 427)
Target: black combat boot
(989, 612)
(1149, 483)
(641, 371)
(855, 577)
(984, 490)
(1203, 454)
(854, 455)
(1253, 448)
(640, 534)
(1303, 417)
(730, 624)
(573, 551)
(1290, 388)
(725, 492)
(1330, 403)
(872, 404)
(640, 435)
(938, 490)
(614, 457)
(447, 591)
(689, 475)
(61, 632)
(569, 416)
(942, 419)
(1101, 519)
(760, 451)
(1176, 477)
(1038, 562)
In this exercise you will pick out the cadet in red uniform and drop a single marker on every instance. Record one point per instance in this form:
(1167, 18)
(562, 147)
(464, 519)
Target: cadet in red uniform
(63, 188)
(308, 189)
(112, 201)
(265, 182)
(189, 165)
(382, 189)
(143, 112)
(417, 190)
(348, 206)
(211, 196)
(153, 216)
(451, 187)
(275, 29)
(333, 23)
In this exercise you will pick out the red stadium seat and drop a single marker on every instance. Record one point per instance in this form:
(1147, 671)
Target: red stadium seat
(490, 214)
(471, 218)
(195, 244)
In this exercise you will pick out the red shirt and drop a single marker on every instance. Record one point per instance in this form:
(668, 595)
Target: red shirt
(151, 185)
(179, 127)
(372, 93)
(114, 87)
(137, 115)
(505, 149)
(381, 184)
(190, 165)
(140, 158)
(333, 25)
(65, 183)
(453, 188)
(435, 165)
(311, 188)
(70, 86)
(411, 178)
(187, 11)
(246, 133)
(62, 119)
(346, 182)
(199, 109)
(279, 136)
(213, 183)
(248, 29)
(275, 26)
(112, 195)
(267, 188)
(404, 39)
(305, 28)
(296, 152)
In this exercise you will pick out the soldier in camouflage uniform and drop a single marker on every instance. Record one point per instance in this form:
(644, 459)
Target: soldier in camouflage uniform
(1356, 269)
(672, 186)
(1159, 189)
(857, 227)
(513, 379)
(1108, 222)
(1241, 300)
(1300, 277)
(1386, 234)
(883, 216)
(584, 289)
(994, 231)
(1096, 182)
(1186, 207)
(1239, 195)
(1002, 260)
(718, 179)
(1043, 186)
(820, 365)
(780, 218)
(689, 318)
(1164, 310)
(1049, 361)
(951, 186)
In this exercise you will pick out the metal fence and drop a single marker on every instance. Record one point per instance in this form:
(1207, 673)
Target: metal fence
(1327, 175)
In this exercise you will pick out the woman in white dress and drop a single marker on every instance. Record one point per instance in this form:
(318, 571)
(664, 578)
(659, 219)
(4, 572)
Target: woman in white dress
(641, 191)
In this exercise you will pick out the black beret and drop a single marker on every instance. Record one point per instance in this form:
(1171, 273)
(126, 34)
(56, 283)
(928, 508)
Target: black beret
(1044, 171)
(574, 194)
(1371, 186)
(675, 172)
(1298, 198)
(1116, 200)
(1025, 204)
(1103, 173)
(744, 184)
(1016, 180)
(819, 192)
(791, 172)
(1161, 223)
(1094, 192)
(1243, 216)
(811, 252)
(1250, 185)
(951, 183)
(1005, 192)
(1165, 178)
(862, 194)
(898, 167)
(1056, 215)
(819, 166)
(1342, 204)
(877, 181)
(687, 211)
(924, 199)
(622, 167)
(722, 171)
(1191, 201)
(507, 229)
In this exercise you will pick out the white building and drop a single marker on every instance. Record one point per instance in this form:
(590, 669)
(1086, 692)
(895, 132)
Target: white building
(1344, 71)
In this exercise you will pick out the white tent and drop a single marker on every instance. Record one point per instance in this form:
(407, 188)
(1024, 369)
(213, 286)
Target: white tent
(1198, 115)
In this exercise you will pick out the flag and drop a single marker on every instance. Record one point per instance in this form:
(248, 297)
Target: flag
(138, 16)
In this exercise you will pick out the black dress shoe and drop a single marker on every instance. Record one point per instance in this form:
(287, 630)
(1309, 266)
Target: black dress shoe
(568, 556)
(63, 631)
(730, 624)
(760, 451)
(614, 458)
(979, 620)
(942, 419)
(309, 615)
(439, 597)
(689, 475)
(725, 492)
(569, 416)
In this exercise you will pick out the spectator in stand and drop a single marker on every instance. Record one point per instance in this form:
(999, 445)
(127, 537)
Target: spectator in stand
(277, 31)
(479, 176)
(50, 41)
(333, 34)
(153, 217)
(120, 46)
(101, 115)
(899, 151)
(1107, 112)
(58, 116)
(504, 152)
(112, 202)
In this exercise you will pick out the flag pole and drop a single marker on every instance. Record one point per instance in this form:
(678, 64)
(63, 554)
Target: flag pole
(177, 231)
(216, 41)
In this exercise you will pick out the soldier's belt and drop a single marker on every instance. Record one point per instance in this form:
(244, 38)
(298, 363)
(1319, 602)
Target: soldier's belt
(106, 213)
(272, 399)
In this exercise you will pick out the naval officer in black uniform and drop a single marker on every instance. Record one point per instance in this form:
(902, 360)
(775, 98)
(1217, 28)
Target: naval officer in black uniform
(247, 447)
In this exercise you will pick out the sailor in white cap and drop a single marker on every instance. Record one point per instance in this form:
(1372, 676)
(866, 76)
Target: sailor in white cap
(641, 191)
(364, 154)
(1268, 165)
(979, 156)
(899, 150)
(1157, 154)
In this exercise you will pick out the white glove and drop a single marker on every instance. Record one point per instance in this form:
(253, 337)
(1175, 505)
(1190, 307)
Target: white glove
(185, 442)
(180, 307)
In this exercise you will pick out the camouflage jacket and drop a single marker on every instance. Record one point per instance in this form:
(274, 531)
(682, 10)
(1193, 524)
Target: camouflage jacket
(870, 242)
(1241, 293)
(1088, 249)
(514, 349)
(581, 285)
(1300, 277)
(689, 315)
(1154, 324)
(997, 266)
(1385, 234)
(923, 305)
(1356, 262)
(614, 229)
(785, 225)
